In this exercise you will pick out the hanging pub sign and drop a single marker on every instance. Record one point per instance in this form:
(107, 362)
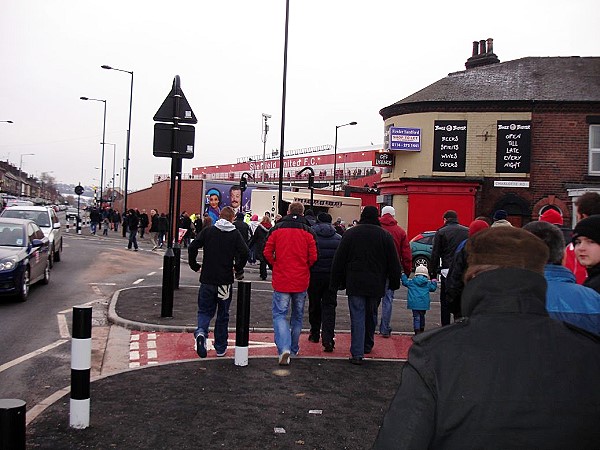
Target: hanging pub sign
(384, 159)
(449, 145)
(513, 146)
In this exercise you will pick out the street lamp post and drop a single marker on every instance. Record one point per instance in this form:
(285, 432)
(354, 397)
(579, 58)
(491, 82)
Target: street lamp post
(21, 165)
(114, 166)
(264, 141)
(335, 151)
(128, 133)
(103, 136)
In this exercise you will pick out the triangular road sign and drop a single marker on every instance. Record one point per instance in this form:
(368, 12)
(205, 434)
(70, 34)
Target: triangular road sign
(168, 112)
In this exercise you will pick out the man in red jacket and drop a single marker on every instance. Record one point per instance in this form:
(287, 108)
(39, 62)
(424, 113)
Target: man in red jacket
(389, 223)
(291, 249)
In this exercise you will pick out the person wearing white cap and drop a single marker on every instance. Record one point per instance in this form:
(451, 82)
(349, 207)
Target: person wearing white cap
(389, 223)
(418, 296)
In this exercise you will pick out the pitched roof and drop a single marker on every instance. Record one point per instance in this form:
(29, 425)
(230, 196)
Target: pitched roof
(556, 79)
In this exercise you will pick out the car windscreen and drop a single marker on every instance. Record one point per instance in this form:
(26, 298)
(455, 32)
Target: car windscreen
(12, 236)
(41, 218)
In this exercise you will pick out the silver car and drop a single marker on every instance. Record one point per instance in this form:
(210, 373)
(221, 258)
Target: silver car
(45, 217)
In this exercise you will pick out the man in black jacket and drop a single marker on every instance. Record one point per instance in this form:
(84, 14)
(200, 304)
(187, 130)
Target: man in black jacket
(322, 300)
(224, 252)
(506, 375)
(365, 259)
(446, 240)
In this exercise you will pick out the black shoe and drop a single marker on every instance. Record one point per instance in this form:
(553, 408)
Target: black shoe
(314, 338)
(328, 348)
(201, 346)
(368, 350)
(356, 361)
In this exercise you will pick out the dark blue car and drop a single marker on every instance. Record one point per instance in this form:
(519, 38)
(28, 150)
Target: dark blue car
(24, 257)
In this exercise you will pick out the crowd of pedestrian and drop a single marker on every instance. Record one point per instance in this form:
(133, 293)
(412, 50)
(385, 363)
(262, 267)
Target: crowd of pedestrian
(515, 362)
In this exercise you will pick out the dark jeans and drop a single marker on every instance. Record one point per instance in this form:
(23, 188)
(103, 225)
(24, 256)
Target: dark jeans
(132, 238)
(444, 305)
(363, 319)
(263, 268)
(322, 302)
(208, 304)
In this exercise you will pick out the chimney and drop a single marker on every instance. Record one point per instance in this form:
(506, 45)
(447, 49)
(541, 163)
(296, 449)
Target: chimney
(483, 54)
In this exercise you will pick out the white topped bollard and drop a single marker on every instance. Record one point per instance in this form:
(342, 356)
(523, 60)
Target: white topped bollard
(242, 323)
(81, 363)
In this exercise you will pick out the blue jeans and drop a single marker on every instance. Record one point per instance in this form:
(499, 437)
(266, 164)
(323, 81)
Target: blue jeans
(208, 304)
(386, 311)
(132, 238)
(363, 320)
(93, 227)
(418, 319)
(287, 334)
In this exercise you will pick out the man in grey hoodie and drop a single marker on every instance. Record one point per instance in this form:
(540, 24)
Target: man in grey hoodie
(225, 251)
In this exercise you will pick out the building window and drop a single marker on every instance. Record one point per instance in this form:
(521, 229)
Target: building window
(594, 165)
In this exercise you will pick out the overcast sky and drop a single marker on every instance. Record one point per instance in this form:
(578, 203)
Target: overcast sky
(347, 59)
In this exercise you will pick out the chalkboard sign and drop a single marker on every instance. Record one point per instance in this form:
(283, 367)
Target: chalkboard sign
(449, 145)
(513, 146)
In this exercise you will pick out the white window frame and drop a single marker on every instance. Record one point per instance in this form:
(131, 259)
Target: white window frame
(593, 151)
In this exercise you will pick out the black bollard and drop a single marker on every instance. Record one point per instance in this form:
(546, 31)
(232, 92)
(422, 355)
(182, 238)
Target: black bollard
(12, 424)
(242, 323)
(166, 307)
(81, 363)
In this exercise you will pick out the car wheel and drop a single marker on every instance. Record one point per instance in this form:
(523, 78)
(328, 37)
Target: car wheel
(23, 293)
(57, 255)
(420, 261)
(46, 278)
(51, 258)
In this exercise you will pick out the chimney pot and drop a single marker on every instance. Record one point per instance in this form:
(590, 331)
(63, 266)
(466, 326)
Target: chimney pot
(482, 47)
(475, 48)
(490, 45)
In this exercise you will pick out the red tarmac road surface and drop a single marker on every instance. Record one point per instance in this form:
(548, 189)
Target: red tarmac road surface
(147, 348)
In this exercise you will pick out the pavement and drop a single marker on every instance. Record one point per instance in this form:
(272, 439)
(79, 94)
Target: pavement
(169, 398)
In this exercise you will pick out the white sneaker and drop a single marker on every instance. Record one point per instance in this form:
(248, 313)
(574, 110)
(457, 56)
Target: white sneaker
(284, 358)
(222, 353)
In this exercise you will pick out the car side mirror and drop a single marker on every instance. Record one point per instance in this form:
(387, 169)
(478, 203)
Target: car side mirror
(37, 242)
(56, 225)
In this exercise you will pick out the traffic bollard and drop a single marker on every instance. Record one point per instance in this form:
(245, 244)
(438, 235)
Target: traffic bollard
(242, 323)
(81, 363)
(12, 424)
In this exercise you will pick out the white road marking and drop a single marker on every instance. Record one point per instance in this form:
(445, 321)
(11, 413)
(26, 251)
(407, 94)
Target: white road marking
(134, 346)
(135, 337)
(152, 354)
(134, 356)
(151, 344)
(150, 274)
(63, 327)
(33, 354)
(151, 336)
(138, 281)
(102, 284)
(134, 364)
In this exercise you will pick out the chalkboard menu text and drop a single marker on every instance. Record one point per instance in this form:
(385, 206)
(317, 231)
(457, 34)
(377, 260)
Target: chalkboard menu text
(449, 145)
(513, 146)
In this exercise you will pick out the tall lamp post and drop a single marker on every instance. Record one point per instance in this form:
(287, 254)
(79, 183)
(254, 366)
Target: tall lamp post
(128, 133)
(103, 136)
(263, 138)
(21, 165)
(335, 152)
(113, 175)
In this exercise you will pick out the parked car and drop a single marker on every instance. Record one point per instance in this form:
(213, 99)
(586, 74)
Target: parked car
(45, 217)
(24, 257)
(421, 246)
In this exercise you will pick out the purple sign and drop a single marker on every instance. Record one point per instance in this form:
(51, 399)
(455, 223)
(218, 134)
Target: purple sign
(408, 139)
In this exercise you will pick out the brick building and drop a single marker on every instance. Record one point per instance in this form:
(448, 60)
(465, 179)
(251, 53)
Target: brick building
(520, 135)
